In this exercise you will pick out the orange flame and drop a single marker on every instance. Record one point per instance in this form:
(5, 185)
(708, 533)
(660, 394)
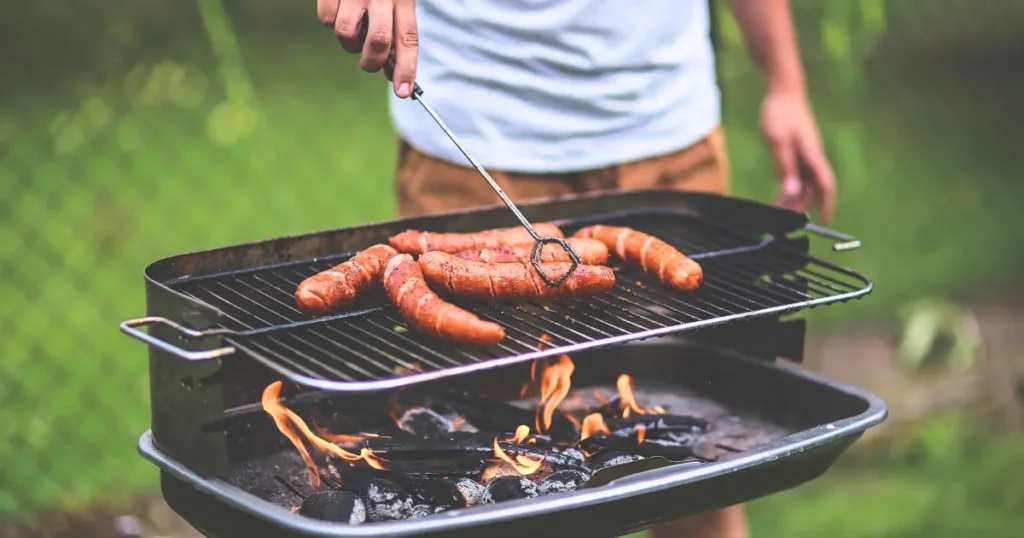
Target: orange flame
(641, 433)
(593, 424)
(282, 416)
(554, 387)
(625, 385)
(522, 464)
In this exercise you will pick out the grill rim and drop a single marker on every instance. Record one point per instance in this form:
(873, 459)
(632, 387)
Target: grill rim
(785, 450)
(202, 316)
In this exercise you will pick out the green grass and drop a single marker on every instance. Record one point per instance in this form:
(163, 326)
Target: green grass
(98, 179)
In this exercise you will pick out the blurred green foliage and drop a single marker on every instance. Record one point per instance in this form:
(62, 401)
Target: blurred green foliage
(137, 130)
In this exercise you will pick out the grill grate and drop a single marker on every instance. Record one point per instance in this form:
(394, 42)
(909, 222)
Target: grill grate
(369, 348)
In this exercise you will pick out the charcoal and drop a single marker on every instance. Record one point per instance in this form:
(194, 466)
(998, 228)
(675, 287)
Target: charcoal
(575, 455)
(509, 487)
(611, 458)
(386, 501)
(564, 480)
(471, 490)
(334, 505)
(461, 444)
(436, 493)
(425, 423)
(458, 465)
(610, 409)
(496, 416)
(649, 448)
(655, 425)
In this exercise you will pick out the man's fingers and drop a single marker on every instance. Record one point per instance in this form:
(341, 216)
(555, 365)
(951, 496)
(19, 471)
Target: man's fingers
(785, 157)
(821, 175)
(348, 23)
(378, 35)
(327, 11)
(407, 47)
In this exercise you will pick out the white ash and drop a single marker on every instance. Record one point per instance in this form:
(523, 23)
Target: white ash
(422, 510)
(425, 422)
(472, 490)
(560, 481)
(358, 512)
(387, 504)
(621, 460)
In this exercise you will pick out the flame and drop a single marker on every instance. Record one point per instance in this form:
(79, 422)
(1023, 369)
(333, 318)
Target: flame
(282, 416)
(458, 421)
(625, 386)
(522, 464)
(641, 433)
(554, 386)
(593, 424)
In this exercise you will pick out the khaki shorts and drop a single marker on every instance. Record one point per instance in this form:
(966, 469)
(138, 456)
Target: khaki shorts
(429, 185)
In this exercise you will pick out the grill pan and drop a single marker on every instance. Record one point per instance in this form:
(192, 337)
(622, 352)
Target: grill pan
(240, 299)
(818, 420)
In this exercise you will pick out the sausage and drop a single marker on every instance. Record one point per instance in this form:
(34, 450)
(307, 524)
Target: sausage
(416, 242)
(341, 284)
(651, 254)
(427, 313)
(517, 280)
(590, 251)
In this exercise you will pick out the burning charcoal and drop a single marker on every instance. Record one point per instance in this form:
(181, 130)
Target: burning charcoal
(437, 493)
(423, 510)
(655, 425)
(386, 501)
(649, 448)
(496, 416)
(471, 490)
(338, 506)
(610, 409)
(574, 454)
(425, 423)
(507, 488)
(612, 458)
(564, 480)
(456, 444)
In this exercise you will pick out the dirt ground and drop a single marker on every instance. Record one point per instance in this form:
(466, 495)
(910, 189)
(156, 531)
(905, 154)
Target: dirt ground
(865, 356)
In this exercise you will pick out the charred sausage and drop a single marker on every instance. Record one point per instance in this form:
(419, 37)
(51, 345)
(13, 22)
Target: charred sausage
(517, 280)
(341, 284)
(427, 313)
(651, 254)
(417, 242)
(590, 251)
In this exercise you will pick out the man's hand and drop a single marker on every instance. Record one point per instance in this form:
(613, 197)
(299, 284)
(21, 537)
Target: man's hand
(805, 176)
(392, 24)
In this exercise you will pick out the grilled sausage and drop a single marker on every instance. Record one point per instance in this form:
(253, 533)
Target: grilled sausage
(341, 284)
(416, 242)
(518, 280)
(651, 254)
(427, 313)
(590, 251)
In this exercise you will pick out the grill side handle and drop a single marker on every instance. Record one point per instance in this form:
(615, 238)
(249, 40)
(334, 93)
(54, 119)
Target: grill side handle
(131, 328)
(845, 242)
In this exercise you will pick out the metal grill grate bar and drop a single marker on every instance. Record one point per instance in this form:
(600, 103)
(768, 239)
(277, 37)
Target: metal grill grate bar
(371, 348)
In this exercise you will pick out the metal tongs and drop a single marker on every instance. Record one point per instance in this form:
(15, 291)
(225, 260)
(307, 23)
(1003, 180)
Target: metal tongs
(539, 242)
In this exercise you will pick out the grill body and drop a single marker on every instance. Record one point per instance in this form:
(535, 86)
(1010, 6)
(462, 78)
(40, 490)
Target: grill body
(206, 416)
(824, 418)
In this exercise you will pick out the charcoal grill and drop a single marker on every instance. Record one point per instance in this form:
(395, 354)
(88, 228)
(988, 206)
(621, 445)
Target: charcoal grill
(222, 326)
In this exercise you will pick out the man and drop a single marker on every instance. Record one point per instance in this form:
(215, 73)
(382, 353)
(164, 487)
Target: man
(566, 96)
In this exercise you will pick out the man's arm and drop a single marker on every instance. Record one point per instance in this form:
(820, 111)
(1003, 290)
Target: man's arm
(771, 41)
(787, 122)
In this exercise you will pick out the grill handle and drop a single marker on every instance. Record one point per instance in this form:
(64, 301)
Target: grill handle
(846, 242)
(130, 328)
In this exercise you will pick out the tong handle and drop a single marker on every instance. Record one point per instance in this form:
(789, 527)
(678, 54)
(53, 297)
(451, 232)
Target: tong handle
(130, 328)
(846, 242)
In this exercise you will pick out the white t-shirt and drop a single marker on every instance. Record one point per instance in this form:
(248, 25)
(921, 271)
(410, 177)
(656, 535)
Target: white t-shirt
(549, 86)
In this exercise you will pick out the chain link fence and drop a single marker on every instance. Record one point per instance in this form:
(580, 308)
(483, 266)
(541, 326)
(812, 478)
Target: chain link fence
(138, 130)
